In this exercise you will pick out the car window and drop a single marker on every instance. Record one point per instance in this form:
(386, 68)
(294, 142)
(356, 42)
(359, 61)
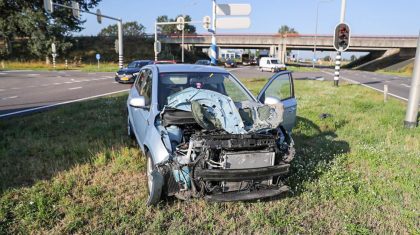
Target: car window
(274, 61)
(280, 87)
(268, 62)
(146, 86)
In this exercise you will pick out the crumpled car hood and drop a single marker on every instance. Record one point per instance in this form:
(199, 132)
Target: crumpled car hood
(213, 110)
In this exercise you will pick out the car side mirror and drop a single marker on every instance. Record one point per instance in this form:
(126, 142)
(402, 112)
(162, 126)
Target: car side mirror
(138, 102)
(272, 100)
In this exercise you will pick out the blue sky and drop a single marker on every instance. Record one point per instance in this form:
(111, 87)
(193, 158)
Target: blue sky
(365, 17)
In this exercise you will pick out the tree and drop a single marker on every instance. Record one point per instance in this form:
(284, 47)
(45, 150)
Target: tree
(327, 58)
(27, 19)
(284, 29)
(131, 28)
(171, 29)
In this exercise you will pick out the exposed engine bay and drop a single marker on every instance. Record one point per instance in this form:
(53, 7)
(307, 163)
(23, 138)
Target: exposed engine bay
(223, 150)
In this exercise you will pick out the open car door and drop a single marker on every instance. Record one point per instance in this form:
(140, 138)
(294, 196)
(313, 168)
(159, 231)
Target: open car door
(280, 89)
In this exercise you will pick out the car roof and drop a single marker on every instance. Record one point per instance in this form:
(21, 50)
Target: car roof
(167, 68)
(140, 61)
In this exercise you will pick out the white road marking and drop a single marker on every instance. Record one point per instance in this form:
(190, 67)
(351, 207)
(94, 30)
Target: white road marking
(75, 88)
(3, 73)
(34, 74)
(57, 83)
(1, 89)
(61, 103)
(10, 97)
(402, 84)
(15, 88)
(376, 89)
(67, 82)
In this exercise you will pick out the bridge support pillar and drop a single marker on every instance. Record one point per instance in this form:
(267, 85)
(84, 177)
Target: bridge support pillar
(282, 53)
(272, 51)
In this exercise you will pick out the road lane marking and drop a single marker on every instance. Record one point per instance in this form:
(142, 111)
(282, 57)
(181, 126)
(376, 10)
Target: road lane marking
(61, 103)
(402, 84)
(10, 97)
(376, 89)
(34, 74)
(57, 83)
(75, 88)
(3, 73)
(2, 90)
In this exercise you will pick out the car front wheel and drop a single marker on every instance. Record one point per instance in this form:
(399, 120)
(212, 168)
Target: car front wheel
(154, 182)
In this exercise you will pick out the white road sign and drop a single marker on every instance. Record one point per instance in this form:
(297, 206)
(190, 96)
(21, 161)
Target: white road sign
(53, 48)
(233, 9)
(181, 21)
(206, 22)
(157, 47)
(233, 23)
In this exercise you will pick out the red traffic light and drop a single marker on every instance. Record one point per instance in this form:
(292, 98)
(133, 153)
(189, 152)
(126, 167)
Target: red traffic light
(342, 37)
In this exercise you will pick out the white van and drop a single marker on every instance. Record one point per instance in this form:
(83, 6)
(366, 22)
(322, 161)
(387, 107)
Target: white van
(271, 64)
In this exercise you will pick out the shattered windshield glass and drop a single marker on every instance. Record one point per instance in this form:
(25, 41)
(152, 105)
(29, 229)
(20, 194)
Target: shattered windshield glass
(223, 83)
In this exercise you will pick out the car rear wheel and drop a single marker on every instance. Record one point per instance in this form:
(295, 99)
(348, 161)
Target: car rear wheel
(154, 182)
(261, 69)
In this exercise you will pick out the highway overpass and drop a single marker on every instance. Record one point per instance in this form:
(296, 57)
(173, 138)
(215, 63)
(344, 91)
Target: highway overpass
(278, 44)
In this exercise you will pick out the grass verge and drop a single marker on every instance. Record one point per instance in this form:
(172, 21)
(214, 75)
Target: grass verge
(407, 71)
(41, 66)
(73, 170)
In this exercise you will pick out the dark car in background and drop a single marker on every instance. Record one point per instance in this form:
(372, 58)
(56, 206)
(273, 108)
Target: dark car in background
(203, 62)
(129, 74)
(230, 63)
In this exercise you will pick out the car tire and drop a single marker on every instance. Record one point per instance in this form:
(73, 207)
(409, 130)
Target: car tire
(154, 182)
(261, 69)
(130, 131)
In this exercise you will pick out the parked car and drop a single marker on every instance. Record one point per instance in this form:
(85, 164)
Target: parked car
(205, 135)
(229, 63)
(271, 64)
(203, 62)
(128, 75)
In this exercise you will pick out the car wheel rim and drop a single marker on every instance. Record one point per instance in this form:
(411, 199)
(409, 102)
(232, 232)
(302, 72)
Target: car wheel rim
(149, 173)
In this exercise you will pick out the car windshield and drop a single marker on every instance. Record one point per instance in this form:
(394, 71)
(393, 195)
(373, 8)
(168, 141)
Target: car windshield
(274, 61)
(224, 83)
(137, 64)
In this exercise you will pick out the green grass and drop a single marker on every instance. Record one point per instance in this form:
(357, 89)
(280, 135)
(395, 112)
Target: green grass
(41, 66)
(406, 71)
(73, 170)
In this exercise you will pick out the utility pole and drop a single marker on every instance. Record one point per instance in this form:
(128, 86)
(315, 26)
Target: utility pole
(316, 30)
(120, 44)
(338, 56)
(213, 47)
(411, 116)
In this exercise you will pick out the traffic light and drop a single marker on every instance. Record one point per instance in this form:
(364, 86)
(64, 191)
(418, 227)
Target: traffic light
(342, 37)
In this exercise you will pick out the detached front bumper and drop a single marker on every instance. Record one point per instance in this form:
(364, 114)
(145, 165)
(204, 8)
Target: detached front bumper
(249, 195)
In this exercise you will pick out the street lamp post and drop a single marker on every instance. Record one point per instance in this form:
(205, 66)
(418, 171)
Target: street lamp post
(316, 30)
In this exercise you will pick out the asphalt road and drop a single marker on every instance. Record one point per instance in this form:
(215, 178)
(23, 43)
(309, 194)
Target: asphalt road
(34, 90)
(398, 87)
(29, 91)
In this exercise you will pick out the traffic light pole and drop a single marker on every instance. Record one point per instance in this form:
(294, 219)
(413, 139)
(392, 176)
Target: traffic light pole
(411, 117)
(213, 47)
(338, 56)
(120, 31)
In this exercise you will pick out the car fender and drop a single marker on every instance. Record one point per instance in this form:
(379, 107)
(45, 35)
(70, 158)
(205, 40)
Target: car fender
(155, 145)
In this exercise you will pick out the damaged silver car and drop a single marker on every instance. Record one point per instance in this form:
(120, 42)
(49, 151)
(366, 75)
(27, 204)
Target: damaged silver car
(205, 135)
